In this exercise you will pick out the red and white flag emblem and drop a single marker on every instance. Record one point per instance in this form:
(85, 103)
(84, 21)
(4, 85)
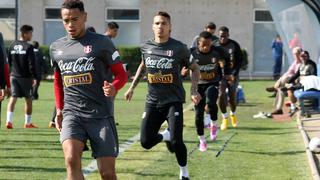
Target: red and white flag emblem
(87, 49)
(170, 53)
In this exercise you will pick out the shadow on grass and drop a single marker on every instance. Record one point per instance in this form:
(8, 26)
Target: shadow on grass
(270, 153)
(29, 169)
(263, 128)
(249, 104)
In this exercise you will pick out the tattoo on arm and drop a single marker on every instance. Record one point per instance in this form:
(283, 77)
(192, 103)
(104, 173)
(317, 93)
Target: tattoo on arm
(194, 76)
(139, 74)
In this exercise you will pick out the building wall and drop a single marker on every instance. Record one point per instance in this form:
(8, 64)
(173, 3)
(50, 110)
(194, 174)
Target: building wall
(32, 12)
(189, 17)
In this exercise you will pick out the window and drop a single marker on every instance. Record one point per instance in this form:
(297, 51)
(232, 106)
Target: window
(123, 14)
(7, 13)
(262, 16)
(53, 13)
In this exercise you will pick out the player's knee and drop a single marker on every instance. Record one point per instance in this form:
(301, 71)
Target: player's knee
(145, 143)
(108, 174)
(72, 162)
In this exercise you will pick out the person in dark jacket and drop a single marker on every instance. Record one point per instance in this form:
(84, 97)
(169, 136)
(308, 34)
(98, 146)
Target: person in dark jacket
(39, 66)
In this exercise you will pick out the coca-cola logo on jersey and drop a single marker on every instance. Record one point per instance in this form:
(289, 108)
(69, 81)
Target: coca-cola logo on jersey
(163, 63)
(82, 64)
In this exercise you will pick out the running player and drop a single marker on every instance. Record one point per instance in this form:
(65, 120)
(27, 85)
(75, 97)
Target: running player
(81, 62)
(22, 62)
(211, 28)
(208, 57)
(162, 58)
(231, 81)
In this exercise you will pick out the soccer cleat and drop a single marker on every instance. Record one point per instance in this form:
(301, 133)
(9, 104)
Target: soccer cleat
(234, 121)
(9, 125)
(213, 132)
(30, 126)
(203, 146)
(52, 124)
(185, 178)
(224, 124)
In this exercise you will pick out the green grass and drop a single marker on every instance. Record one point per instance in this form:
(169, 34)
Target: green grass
(259, 149)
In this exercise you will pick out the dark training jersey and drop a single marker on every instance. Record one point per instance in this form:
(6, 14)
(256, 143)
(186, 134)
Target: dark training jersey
(22, 60)
(83, 64)
(209, 64)
(163, 65)
(234, 50)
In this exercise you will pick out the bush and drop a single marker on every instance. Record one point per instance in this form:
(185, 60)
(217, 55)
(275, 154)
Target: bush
(131, 56)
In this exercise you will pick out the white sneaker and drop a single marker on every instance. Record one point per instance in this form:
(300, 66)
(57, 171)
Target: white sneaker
(203, 146)
(165, 135)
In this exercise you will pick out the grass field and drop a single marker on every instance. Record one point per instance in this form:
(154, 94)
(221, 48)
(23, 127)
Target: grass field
(258, 148)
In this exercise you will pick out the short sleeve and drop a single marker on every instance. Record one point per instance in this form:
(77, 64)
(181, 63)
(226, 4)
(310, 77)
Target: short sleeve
(112, 54)
(53, 63)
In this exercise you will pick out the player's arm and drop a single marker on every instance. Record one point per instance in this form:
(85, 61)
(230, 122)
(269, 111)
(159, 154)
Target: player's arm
(59, 97)
(120, 79)
(138, 76)
(32, 64)
(238, 60)
(194, 76)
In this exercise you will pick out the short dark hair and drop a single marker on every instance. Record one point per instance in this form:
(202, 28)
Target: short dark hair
(224, 29)
(205, 35)
(35, 44)
(211, 25)
(305, 52)
(26, 28)
(91, 29)
(113, 25)
(164, 14)
(73, 4)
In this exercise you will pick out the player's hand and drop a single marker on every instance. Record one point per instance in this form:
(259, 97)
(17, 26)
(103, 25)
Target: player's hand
(2, 94)
(184, 71)
(109, 89)
(230, 79)
(128, 95)
(58, 120)
(7, 92)
(196, 98)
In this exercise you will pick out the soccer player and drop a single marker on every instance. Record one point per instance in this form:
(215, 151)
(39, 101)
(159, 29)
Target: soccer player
(4, 71)
(112, 30)
(40, 66)
(229, 81)
(162, 59)
(22, 62)
(81, 62)
(211, 28)
(208, 57)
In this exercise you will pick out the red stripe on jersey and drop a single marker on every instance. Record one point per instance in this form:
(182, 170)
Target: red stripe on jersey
(58, 90)
(7, 75)
(120, 76)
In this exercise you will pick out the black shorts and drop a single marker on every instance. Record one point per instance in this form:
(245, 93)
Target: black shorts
(21, 87)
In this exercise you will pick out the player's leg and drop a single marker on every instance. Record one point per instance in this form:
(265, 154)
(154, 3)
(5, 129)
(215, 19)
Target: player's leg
(199, 112)
(223, 104)
(72, 137)
(26, 85)
(104, 144)
(212, 94)
(175, 118)
(15, 93)
(152, 120)
(232, 93)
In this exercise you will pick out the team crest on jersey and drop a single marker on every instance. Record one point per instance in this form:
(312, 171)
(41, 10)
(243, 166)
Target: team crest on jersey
(87, 49)
(213, 60)
(169, 53)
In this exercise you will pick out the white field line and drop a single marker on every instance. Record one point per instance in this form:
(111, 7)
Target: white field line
(92, 166)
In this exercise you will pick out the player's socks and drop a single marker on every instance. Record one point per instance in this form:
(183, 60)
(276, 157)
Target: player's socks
(27, 119)
(165, 135)
(9, 117)
(184, 173)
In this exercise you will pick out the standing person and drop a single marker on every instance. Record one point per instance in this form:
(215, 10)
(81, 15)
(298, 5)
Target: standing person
(211, 28)
(277, 52)
(39, 65)
(112, 30)
(4, 73)
(162, 59)
(81, 62)
(229, 81)
(23, 75)
(207, 57)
